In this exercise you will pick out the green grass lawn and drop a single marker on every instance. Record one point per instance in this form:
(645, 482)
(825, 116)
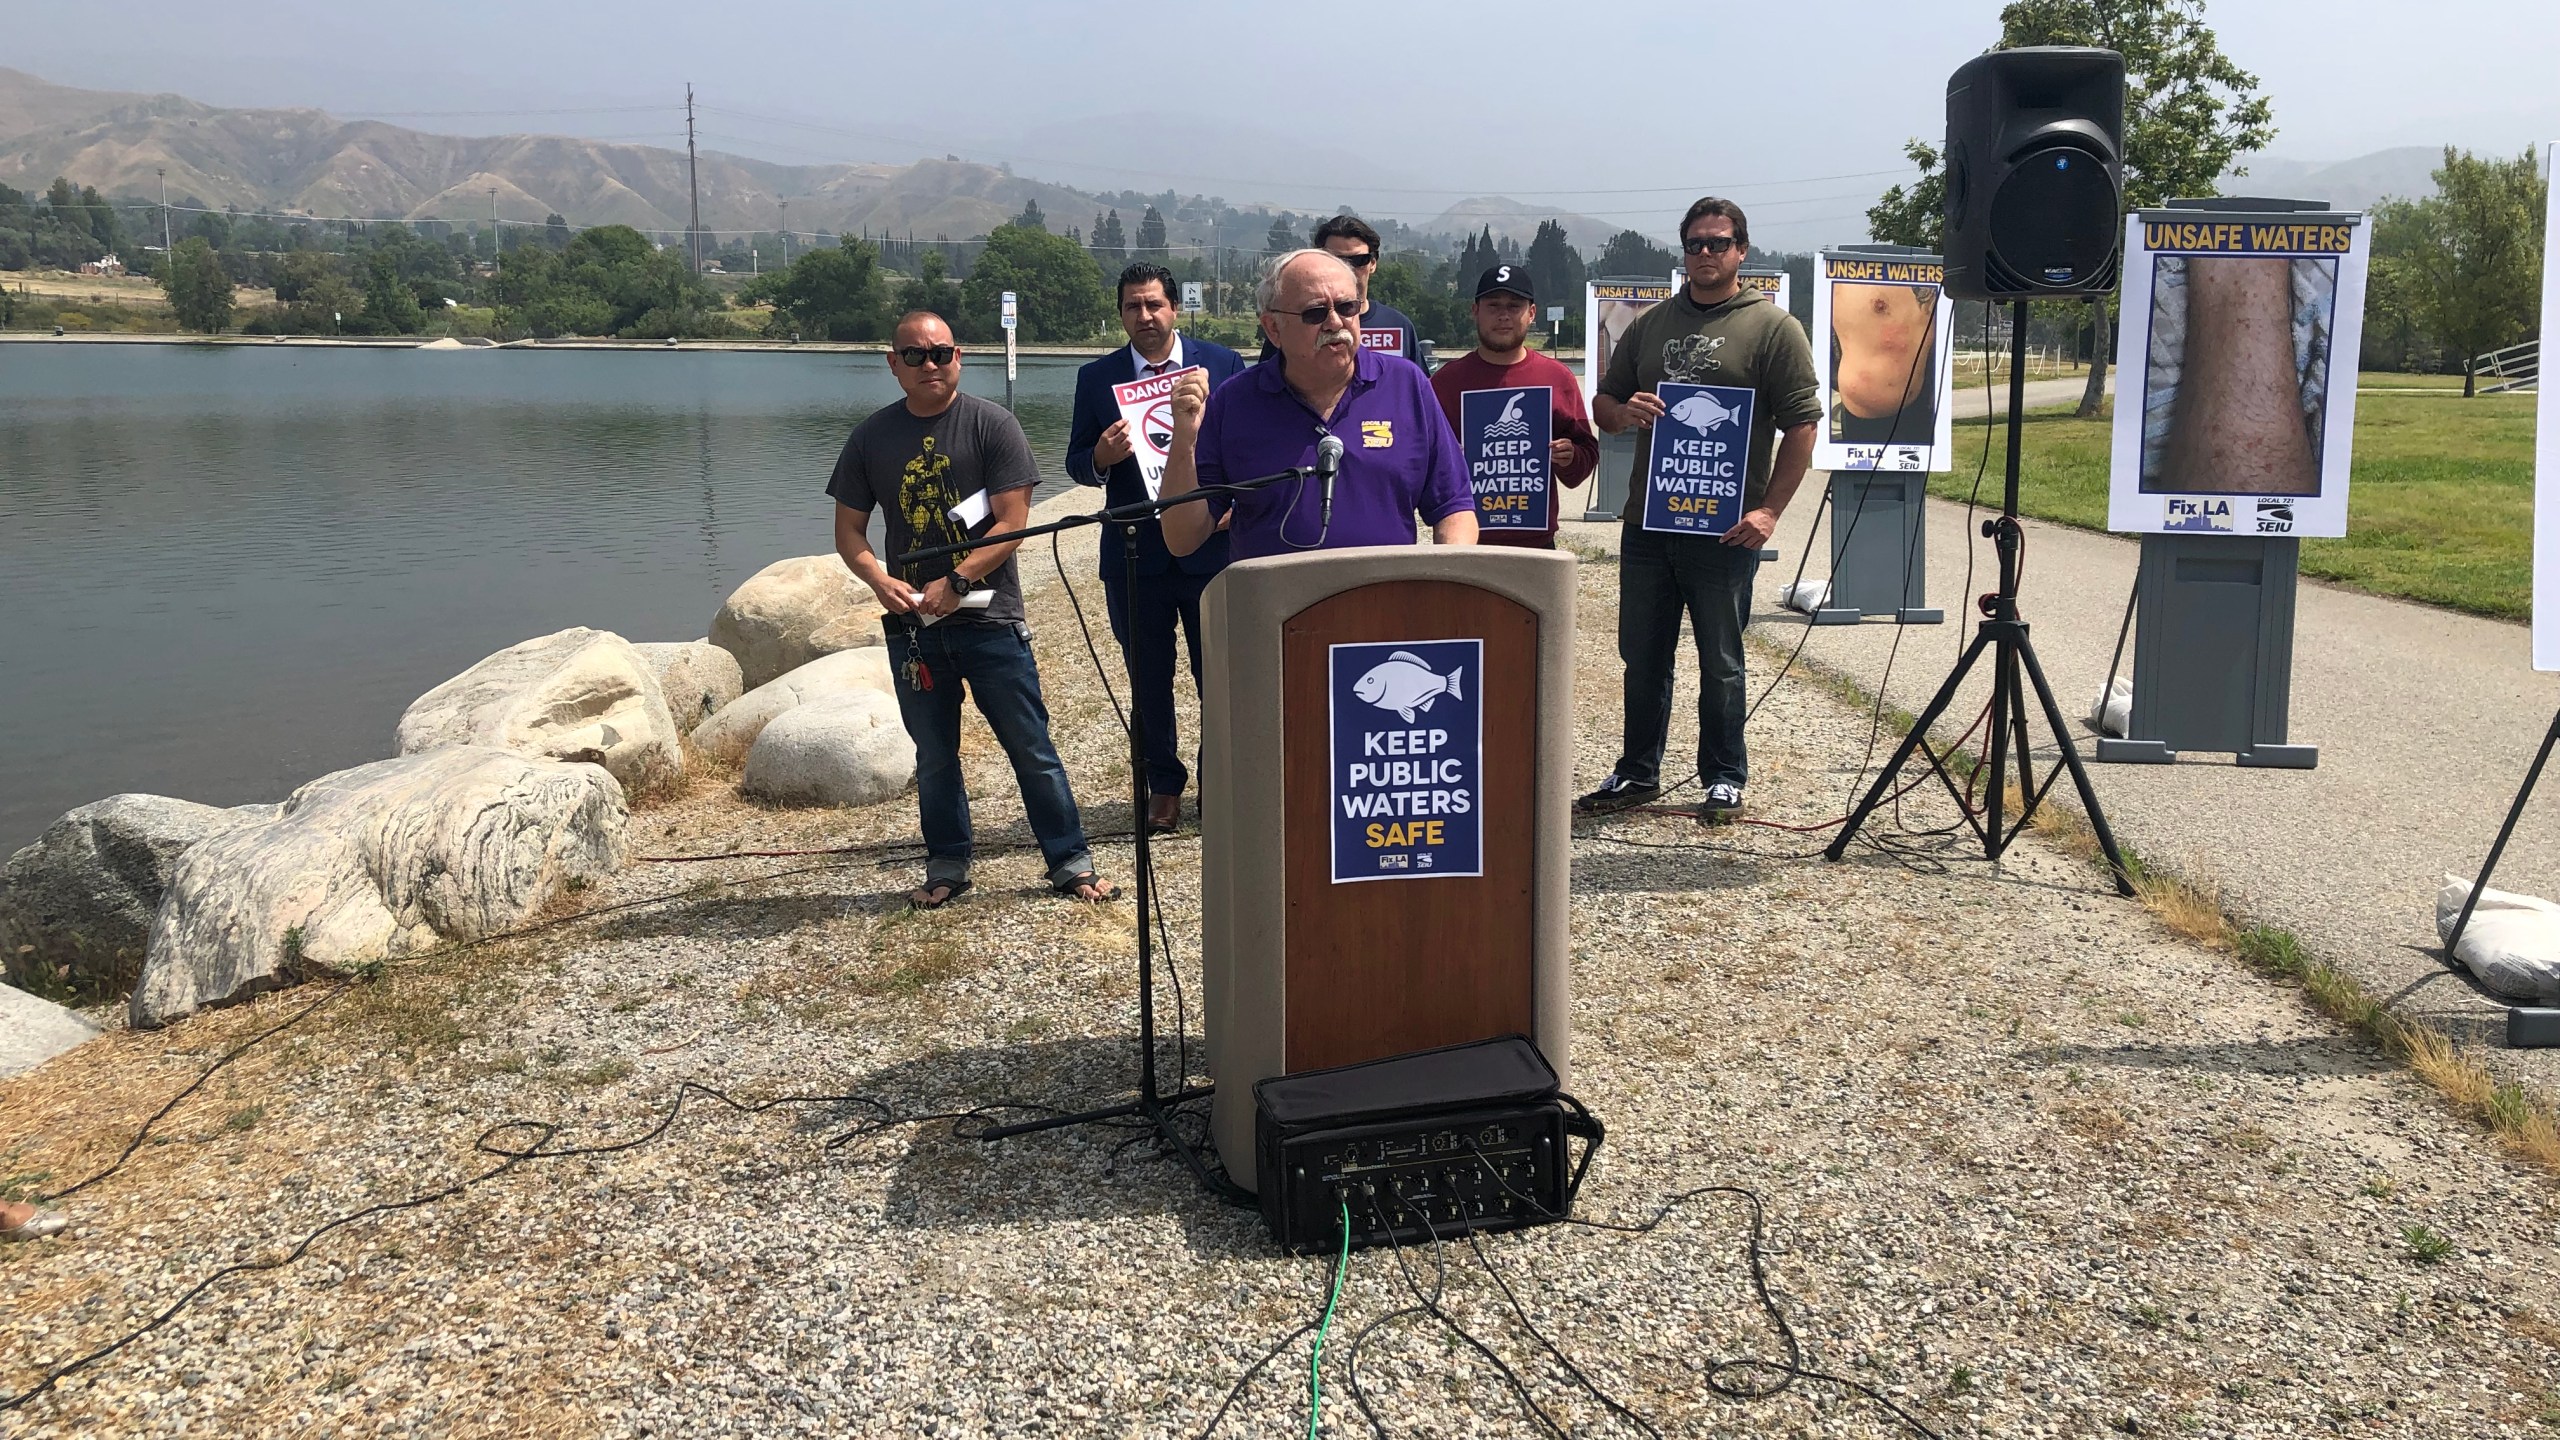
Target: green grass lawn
(2440, 508)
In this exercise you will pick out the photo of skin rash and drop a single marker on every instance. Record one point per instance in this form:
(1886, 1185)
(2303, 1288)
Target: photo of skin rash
(1883, 378)
(2242, 417)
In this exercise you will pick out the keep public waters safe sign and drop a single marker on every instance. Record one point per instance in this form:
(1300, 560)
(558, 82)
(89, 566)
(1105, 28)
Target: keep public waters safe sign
(1148, 407)
(1700, 458)
(1506, 434)
(1408, 759)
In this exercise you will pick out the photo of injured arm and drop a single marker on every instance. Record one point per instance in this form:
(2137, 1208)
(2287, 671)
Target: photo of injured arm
(2238, 422)
(1883, 375)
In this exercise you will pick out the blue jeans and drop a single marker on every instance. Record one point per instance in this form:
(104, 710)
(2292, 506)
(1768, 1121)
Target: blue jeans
(1660, 578)
(1143, 622)
(995, 662)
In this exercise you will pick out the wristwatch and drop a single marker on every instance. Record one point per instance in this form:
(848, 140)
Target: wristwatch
(961, 584)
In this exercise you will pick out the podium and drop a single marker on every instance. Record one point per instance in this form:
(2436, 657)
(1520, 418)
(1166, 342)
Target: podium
(1387, 800)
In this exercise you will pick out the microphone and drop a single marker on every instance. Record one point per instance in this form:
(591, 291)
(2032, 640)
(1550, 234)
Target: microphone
(1328, 464)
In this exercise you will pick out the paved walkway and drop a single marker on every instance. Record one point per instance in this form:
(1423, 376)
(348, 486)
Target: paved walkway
(2066, 390)
(2425, 721)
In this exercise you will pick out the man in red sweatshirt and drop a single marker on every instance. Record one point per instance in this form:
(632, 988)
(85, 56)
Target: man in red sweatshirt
(1502, 361)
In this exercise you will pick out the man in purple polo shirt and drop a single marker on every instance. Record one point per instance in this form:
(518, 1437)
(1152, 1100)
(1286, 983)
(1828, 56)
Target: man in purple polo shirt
(1400, 460)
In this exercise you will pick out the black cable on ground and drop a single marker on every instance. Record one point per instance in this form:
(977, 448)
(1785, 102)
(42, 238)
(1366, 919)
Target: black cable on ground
(538, 1146)
(1725, 1377)
(1608, 1401)
(1431, 1305)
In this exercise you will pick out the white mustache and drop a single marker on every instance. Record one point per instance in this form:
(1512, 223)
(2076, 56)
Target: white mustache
(1336, 336)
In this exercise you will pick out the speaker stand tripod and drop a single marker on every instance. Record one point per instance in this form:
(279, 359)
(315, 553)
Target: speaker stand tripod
(2002, 636)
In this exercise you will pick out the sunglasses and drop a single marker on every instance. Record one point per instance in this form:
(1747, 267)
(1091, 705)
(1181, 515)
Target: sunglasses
(1712, 244)
(1314, 314)
(1361, 261)
(917, 356)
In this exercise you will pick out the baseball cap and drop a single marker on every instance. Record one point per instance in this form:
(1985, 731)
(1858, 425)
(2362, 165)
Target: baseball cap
(1510, 279)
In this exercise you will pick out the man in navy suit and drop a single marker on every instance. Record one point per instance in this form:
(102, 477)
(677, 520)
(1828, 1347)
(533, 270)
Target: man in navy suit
(1101, 451)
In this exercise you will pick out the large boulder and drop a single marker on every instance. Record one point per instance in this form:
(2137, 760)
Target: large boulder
(839, 750)
(576, 694)
(373, 863)
(793, 611)
(696, 676)
(76, 906)
(726, 736)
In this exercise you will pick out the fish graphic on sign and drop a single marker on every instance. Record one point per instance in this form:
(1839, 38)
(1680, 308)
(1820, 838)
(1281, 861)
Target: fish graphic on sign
(1509, 424)
(1404, 684)
(1702, 413)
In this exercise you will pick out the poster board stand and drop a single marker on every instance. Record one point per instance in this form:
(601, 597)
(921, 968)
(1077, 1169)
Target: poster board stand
(2214, 670)
(2533, 1027)
(1878, 492)
(2529, 1027)
(1377, 683)
(1880, 564)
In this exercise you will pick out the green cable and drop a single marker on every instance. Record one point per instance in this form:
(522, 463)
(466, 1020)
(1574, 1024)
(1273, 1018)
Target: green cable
(1315, 1362)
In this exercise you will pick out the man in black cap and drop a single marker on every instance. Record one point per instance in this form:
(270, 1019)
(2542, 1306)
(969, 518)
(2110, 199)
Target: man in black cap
(1506, 304)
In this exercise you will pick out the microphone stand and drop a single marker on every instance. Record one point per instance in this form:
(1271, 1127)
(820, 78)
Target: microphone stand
(1151, 1105)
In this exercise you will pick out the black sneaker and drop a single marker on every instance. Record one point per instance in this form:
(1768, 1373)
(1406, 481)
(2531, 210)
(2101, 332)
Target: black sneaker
(1722, 806)
(1615, 794)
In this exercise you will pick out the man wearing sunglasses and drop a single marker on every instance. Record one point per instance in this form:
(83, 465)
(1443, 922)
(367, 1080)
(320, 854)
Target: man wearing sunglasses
(935, 453)
(1101, 451)
(1400, 460)
(1715, 331)
(1382, 326)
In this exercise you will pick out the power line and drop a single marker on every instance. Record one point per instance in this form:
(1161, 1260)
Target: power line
(1231, 181)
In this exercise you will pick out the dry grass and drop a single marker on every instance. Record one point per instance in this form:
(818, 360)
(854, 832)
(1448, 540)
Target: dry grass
(2196, 910)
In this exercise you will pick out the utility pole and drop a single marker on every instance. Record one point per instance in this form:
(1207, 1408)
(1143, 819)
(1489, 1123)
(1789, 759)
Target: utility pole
(494, 246)
(786, 234)
(165, 243)
(693, 181)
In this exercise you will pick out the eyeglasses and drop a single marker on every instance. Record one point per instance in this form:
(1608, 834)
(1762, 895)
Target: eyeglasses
(1712, 244)
(1314, 314)
(1361, 261)
(916, 356)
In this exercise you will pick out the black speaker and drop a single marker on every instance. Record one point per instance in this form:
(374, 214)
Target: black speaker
(2035, 173)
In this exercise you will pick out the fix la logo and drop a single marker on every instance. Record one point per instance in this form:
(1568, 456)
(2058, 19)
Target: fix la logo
(1377, 434)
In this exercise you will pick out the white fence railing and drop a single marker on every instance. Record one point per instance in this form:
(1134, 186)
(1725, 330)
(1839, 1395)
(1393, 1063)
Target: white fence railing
(2518, 367)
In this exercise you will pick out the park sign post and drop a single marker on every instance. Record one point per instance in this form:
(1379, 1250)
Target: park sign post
(1011, 319)
(1191, 297)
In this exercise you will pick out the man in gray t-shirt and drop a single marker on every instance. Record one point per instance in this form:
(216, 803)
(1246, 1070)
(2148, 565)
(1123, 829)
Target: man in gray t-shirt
(922, 467)
(935, 452)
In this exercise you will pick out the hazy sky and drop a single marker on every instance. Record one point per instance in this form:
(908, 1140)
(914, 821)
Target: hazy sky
(1797, 111)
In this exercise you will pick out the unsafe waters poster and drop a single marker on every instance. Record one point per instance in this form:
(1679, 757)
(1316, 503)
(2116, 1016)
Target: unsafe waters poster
(1506, 434)
(1408, 759)
(1700, 458)
(1148, 407)
(1882, 337)
(2236, 372)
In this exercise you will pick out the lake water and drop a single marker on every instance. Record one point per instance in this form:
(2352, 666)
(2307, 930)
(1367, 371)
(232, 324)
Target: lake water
(227, 570)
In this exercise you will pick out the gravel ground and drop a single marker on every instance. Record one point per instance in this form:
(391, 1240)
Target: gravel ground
(2031, 1164)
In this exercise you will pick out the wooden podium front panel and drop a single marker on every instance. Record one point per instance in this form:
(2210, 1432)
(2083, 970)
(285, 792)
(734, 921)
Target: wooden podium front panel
(1385, 967)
